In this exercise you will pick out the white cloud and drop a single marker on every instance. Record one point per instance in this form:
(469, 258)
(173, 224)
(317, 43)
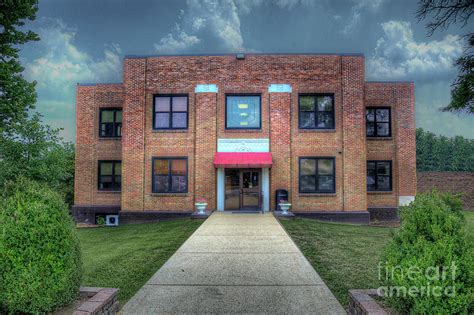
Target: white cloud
(58, 64)
(398, 56)
(178, 41)
(359, 7)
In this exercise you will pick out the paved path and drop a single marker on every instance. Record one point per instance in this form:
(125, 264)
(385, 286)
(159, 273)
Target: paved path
(236, 263)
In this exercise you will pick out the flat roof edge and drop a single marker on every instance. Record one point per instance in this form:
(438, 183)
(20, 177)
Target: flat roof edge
(248, 54)
(391, 82)
(95, 84)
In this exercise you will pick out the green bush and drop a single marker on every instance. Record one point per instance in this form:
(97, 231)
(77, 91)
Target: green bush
(429, 251)
(40, 265)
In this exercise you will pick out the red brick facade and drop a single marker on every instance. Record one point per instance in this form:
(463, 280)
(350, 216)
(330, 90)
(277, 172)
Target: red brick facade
(341, 75)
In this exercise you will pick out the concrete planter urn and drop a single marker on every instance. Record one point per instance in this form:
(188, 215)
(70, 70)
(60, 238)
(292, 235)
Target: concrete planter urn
(201, 205)
(284, 206)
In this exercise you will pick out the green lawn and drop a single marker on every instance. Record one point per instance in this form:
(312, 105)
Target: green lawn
(125, 257)
(346, 256)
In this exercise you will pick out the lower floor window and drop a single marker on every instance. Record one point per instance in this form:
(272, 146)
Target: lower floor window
(317, 175)
(379, 175)
(170, 175)
(110, 175)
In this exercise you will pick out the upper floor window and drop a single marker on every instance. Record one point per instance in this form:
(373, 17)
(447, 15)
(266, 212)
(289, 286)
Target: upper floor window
(110, 123)
(378, 122)
(243, 112)
(170, 175)
(317, 175)
(379, 175)
(110, 175)
(170, 112)
(316, 111)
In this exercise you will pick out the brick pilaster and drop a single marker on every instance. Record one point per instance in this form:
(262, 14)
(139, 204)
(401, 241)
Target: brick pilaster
(353, 131)
(206, 133)
(133, 139)
(280, 135)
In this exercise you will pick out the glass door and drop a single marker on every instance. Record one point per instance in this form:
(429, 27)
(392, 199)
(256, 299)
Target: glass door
(250, 190)
(242, 189)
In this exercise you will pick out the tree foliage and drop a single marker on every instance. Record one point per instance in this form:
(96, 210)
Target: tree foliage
(444, 13)
(28, 148)
(17, 95)
(40, 265)
(440, 153)
(428, 266)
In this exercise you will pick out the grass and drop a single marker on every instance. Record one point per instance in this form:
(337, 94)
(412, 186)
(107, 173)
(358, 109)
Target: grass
(125, 257)
(346, 256)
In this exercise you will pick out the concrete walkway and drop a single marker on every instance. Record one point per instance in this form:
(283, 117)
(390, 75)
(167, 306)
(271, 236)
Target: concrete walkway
(236, 263)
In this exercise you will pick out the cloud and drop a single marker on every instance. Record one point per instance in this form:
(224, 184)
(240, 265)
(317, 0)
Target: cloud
(357, 9)
(57, 64)
(398, 56)
(216, 18)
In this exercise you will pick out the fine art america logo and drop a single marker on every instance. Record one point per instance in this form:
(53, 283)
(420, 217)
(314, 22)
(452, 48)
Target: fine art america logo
(428, 278)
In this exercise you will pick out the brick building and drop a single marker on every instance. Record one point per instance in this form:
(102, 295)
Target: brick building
(233, 129)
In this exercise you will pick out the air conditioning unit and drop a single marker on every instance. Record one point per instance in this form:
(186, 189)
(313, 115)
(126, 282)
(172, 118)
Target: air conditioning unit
(112, 220)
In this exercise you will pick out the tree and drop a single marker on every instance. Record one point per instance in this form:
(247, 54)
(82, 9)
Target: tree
(445, 13)
(17, 95)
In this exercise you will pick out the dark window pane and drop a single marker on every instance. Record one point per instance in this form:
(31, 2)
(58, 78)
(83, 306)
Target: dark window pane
(107, 116)
(370, 115)
(106, 168)
(307, 103)
(118, 116)
(118, 168)
(161, 183)
(371, 182)
(383, 182)
(371, 169)
(371, 129)
(118, 180)
(325, 183)
(383, 129)
(180, 104)
(307, 166)
(383, 168)
(325, 103)
(180, 120)
(162, 104)
(325, 167)
(178, 167)
(161, 167)
(178, 183)
(307, 120)
(308, 183)
(119, 129)
(255, 182)
(107, 129)
(243, 112)
(382, 115)
(162, 120)
(325, 120)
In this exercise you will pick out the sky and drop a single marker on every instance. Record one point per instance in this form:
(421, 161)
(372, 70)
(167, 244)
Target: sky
(85, 41)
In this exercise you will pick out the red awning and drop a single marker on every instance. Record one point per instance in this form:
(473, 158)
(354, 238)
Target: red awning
(243, 159)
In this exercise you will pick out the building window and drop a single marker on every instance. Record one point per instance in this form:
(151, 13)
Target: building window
(317, 175)
(170, 112)
(243, 112)
(379, 175)
(110, 175)
(378, 122)
(170, 175)
(316, 111)
(110, 123)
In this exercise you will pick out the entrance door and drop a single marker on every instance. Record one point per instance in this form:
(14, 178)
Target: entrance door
(242, 189)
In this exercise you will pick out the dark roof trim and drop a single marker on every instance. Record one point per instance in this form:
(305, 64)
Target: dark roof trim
(94, 84)
(400, 82)
(248, 54)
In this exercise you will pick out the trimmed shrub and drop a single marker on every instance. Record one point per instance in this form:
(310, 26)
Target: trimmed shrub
(40, 265)
(427, 267)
